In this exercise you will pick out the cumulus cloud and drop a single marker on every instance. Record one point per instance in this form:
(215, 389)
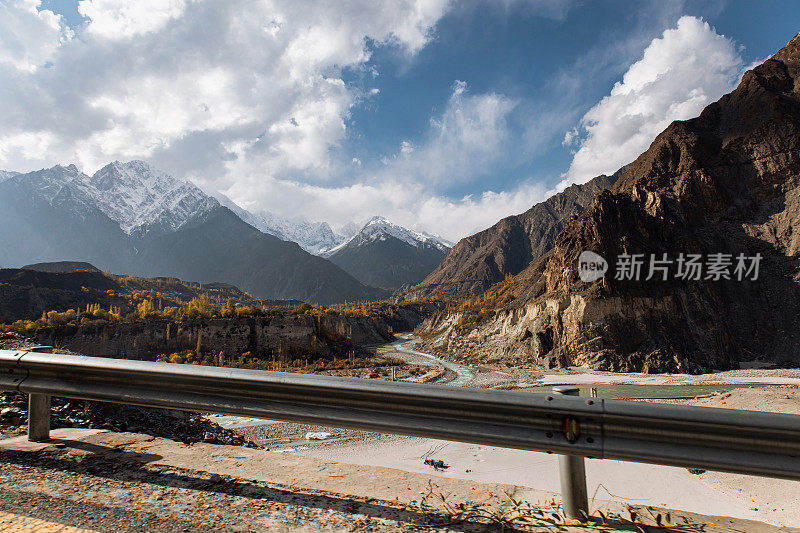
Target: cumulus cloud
(28, 36)
(679, 74)
(464, 141)
(237, 85)
(467, 137)
(122, 19)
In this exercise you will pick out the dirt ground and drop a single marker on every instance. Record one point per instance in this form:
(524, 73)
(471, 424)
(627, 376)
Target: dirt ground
(772, 399)
(123, 482)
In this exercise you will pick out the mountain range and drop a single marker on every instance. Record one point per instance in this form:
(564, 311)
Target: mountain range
(313, 237)
(383, 254)
(485, 258)
(723, 187)
(130, 218)
(377, 253)
(725, 184)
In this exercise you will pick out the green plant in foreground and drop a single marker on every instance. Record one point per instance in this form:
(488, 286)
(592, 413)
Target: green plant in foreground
(517, 515)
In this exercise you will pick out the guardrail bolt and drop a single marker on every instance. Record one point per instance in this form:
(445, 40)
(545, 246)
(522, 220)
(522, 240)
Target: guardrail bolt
(572, 470)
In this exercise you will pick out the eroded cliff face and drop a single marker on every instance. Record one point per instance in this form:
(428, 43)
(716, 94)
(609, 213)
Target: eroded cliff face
(301, 335)
(726, 182)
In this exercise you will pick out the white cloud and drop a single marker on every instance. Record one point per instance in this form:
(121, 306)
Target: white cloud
(466, 140)
(28, 36)
(122, 19)
(32, 145)
(410, 204)
(679, 74)
(209, 88)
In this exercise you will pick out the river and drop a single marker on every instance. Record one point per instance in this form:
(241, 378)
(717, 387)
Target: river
(404, 343)
(464, 374)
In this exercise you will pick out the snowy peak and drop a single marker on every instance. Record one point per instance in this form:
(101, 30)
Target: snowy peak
(384, 254)
(379, 228)
(4, 175)
(59, 186)
(313, 237)
(139, 198)
(144, 200)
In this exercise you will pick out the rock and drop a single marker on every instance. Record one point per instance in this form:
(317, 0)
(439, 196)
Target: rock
(188, 428)
(318, 435)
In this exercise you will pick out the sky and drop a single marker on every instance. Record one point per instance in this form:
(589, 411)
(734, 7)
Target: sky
(442, 115)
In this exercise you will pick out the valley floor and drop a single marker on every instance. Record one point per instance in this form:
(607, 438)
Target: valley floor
(308, 452)
(497, 376)
(772, 501)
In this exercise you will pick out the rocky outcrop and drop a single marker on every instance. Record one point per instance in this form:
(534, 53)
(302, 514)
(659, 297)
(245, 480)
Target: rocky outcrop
(264, 336)
(508, 247)
(725, 182)
(26, 293)
(288, 335)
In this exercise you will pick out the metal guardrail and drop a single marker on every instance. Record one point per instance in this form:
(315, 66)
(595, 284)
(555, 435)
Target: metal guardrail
(746, 442)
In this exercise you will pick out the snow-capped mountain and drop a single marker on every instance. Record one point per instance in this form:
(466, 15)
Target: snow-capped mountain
(131, 218)
(383, 254)
(142, 199)
(348, 229)
(139, 199)
(379, 228)
(313, 237)
(4, 175)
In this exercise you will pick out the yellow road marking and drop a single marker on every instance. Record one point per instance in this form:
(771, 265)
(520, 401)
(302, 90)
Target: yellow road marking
(14, 523)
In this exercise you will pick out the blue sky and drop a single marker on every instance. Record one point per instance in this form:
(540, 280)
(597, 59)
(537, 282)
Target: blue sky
(518, 52)
(445, 116)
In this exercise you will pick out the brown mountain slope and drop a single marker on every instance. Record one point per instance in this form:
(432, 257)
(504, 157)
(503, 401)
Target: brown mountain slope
(725, 182)
(479, 261)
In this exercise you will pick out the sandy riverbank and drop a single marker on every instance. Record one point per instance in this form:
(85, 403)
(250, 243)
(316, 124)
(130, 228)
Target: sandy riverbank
(748, 497)
(484, 376)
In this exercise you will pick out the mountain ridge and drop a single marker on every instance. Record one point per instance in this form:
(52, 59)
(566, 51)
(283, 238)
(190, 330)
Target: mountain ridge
(506, 248)
(313, 237)
(119, 220)
(726, 182)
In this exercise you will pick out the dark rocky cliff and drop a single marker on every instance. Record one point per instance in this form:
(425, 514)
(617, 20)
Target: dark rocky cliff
(477, 262)
(725, 182)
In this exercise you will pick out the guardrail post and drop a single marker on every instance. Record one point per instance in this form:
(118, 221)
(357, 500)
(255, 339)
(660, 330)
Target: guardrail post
(38, 417)
(39, 409)
(573, 474)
